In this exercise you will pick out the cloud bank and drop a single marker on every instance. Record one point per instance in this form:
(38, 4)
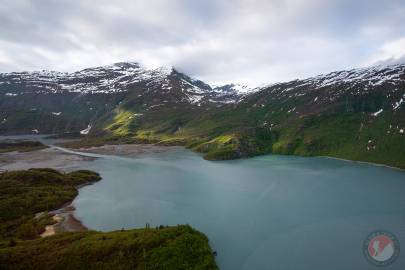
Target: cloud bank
(246, 41)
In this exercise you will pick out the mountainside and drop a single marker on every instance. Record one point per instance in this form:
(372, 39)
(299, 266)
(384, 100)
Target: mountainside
(55, 102)
(357, 114)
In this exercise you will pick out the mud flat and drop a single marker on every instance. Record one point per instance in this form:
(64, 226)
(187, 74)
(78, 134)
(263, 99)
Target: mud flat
(46, 158)
(128, 149)
(64, 161)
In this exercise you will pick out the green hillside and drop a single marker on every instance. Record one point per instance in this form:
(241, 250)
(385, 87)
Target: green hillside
(175, 248)
(261, 124)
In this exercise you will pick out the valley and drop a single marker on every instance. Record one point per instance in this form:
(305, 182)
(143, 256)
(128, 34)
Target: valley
(202, 135)
(356, 114)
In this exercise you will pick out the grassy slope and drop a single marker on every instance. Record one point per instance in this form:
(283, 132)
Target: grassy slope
(354, 137)
(177, 248)
(333, 121)
(342, 130)
(36, 190)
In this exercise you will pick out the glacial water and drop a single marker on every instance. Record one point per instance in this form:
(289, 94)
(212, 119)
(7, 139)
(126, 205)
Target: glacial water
(269, 212)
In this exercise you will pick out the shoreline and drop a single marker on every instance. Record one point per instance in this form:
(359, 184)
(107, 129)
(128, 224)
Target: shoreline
(104, 150)
(125, 150)
(111, 149)
(364, 162)
(65, 219)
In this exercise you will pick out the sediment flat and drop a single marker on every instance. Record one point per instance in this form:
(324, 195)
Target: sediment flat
(128, 149)
(46, 158)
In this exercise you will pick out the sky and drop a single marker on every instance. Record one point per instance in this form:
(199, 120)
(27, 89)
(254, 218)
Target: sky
(219, 41)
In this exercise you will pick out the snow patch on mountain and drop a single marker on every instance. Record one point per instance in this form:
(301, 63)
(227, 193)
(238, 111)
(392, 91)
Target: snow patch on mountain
(377, 112)
(396, 105)
(374, 76)
(86, 130)
(107, 79)
(120, 78)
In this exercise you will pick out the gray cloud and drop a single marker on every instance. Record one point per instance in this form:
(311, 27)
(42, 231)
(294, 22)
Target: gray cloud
(251, 41)
(391, 61)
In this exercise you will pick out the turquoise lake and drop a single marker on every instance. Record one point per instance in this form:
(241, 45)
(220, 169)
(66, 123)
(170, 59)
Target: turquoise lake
(269, 212)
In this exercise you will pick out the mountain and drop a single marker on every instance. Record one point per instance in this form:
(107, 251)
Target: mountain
(55, 102)
(357, 114)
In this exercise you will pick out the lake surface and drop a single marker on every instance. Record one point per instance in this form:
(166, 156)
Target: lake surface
(269, 212)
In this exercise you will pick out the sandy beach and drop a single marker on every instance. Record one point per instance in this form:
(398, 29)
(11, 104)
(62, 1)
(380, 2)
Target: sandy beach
(65, 221)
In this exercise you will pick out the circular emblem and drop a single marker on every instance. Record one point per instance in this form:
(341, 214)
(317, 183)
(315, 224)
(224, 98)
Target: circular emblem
(381, 248)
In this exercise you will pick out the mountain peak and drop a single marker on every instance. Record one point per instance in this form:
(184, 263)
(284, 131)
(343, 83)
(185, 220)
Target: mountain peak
(233, 88)
(126, 65)
(167, 70)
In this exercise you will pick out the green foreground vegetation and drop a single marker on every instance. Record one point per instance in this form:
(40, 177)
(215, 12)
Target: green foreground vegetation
(20, 146)
(176, 248)
(23, 194)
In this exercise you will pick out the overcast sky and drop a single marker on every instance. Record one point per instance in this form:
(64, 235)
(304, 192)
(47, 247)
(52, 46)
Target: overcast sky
(246, 41)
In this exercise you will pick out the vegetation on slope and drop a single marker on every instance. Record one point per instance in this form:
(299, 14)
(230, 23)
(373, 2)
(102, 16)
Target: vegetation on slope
(294, 118)
(176, 248)
(248, 131)
(26, 193)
